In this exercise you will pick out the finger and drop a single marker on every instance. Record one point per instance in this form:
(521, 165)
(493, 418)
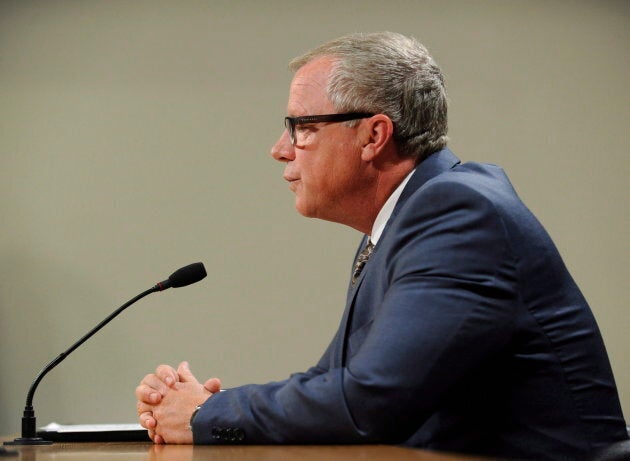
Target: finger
(147, 420)
(185, 375)
(213, 385)
(167, 374)
(158, 438)
(148, 394)
(156, 383)
(142, 407)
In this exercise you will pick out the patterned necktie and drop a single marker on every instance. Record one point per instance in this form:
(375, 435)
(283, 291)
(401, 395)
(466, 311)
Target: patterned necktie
(362, 259)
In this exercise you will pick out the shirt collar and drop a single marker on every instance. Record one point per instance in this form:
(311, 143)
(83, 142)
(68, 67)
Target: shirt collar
(387, 210)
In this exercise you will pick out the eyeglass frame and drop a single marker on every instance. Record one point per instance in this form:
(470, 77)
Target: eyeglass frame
(291, 122)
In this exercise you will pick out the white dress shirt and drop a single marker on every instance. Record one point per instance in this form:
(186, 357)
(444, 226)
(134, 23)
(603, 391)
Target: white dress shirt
(387, 210)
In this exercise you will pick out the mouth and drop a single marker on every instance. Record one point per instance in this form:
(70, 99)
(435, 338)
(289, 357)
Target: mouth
(293, 183)
(292, 179)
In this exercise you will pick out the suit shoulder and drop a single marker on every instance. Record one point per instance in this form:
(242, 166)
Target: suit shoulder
(474, 175)
(471, 180)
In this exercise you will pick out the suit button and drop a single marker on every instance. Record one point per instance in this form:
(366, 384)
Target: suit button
(239, 434)
(228, 434)
(217, 433)
(235, 434)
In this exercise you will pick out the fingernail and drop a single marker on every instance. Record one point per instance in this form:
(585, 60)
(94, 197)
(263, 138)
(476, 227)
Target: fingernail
(154, 397)
(169, 381)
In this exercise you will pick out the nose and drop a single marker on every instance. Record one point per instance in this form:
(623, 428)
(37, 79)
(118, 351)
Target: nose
(283, 150)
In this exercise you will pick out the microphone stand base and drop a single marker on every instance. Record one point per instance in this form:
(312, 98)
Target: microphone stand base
(29, 441)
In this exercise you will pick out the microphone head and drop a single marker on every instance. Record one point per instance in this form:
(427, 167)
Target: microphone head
(184, 276)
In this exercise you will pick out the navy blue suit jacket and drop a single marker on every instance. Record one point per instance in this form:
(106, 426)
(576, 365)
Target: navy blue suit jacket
(465, 332)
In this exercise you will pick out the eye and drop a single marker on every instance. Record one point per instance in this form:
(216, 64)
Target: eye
(304, 133)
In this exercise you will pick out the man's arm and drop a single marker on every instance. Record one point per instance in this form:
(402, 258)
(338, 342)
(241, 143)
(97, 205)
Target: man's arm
(153, 390)
(448, 307)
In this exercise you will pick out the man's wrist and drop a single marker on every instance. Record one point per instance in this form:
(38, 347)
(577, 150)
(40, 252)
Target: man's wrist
(192, 417)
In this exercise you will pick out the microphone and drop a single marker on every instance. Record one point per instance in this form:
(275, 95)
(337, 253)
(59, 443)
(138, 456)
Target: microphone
(182, 277)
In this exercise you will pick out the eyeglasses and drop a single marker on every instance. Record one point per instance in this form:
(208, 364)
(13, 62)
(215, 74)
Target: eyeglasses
(292, 122)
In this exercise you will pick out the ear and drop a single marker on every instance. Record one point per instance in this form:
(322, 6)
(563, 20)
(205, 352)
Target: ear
(376, 134)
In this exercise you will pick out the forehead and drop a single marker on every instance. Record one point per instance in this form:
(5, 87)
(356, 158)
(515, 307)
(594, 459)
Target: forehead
(307, 94)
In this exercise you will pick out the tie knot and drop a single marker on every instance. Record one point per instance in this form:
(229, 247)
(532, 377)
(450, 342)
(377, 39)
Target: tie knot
(362, 259)
(366, 252)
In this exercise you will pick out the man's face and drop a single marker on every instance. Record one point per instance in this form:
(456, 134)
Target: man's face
(325, 170)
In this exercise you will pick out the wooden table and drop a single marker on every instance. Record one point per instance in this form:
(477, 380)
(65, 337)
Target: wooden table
(142, 451)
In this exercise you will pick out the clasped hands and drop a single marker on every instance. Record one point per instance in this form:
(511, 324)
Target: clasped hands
(167, 400)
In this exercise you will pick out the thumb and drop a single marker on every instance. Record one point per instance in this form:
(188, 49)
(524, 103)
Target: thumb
(213, 385)
(185, 375)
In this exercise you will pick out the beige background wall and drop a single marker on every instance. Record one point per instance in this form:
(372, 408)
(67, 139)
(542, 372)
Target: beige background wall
(134, 139)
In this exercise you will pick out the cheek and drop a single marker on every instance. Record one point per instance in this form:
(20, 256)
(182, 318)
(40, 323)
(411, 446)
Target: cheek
(327, 170)
(311, 169)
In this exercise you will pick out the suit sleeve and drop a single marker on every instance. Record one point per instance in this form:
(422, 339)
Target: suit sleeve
(306, 408)
(447, 307)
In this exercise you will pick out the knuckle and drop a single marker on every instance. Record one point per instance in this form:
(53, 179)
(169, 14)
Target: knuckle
(162, 368)
(139, 390)
(142, 393)
(164, 373)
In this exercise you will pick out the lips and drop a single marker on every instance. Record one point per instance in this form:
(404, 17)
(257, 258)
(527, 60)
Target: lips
(290, 176)
(293, 183)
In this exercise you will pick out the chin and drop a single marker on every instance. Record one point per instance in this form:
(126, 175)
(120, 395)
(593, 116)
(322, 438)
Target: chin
(304, 209)
(304, 212)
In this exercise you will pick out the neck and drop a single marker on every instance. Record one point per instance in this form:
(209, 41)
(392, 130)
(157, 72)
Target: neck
(383, 185)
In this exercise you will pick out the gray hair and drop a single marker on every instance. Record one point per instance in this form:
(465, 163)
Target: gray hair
(392, 74)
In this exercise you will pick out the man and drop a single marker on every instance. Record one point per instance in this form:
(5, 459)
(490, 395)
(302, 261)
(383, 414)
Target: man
(463, 330)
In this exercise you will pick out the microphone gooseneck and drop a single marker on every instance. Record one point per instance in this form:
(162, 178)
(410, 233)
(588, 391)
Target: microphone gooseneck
(182, 277)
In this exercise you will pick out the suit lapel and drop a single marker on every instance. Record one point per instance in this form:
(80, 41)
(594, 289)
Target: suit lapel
(337, 356)
(432, 166)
